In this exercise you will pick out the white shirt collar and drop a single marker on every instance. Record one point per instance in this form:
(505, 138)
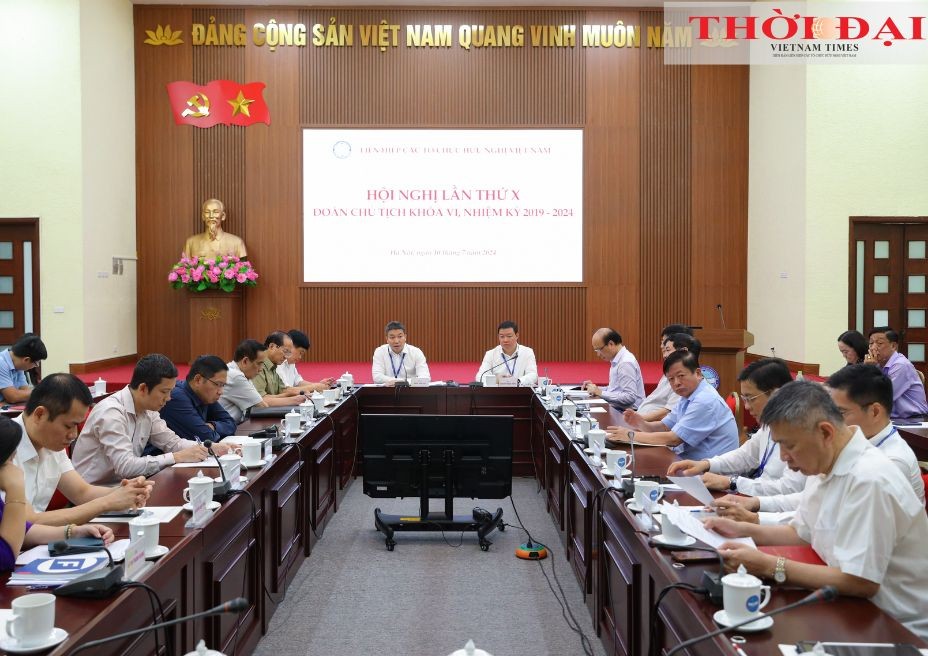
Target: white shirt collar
(618, 355)
(392, 353)
(26, 449)
(849, 454)
(887, 429)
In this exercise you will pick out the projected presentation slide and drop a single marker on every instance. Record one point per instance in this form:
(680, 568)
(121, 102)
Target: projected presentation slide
(442, 206)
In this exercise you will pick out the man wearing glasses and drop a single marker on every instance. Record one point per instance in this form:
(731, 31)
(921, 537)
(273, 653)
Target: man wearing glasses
(194, 411)
(271, 387)
(626, 387)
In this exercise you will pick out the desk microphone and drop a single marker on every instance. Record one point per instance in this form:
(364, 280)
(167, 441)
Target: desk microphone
(826, 593)
(236, 605)
(721, 315)
(220, 490)
(479, 381)
(98, 584)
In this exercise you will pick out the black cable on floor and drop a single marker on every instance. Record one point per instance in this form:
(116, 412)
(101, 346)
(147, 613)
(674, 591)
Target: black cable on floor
(154, 598)
(655, 618)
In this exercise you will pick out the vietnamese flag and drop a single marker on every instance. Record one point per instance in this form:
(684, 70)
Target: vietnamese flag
(219, 102)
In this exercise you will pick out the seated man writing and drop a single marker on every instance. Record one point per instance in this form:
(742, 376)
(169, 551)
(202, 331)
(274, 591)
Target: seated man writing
(55, 409)
(193, 412)
(119, 428)
(273, 390)
(626, 387)
(858, 512)
(287, 369)
(15, 532)
(239, 394)
(24, 355)
(701, 426)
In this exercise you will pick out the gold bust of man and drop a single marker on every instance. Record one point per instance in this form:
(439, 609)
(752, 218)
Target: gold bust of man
(213, 243)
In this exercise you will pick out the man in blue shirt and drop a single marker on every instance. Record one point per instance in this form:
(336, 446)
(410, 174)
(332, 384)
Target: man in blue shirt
(24, 355)
(699, 427)
(194, 411)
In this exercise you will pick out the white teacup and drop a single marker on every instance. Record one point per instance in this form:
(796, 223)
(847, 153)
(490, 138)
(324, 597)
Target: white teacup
(145, 530)
(569, 411)
(647, 493)
(99, 387)
(344, 383)
(307, 410)
(596, 438)
(585, 425)
(200, 491)
(743, 595)
(617, 460)
(318, 401)
(33, 619)
(231, 464)
(251, 453)
(331, 396)
(671, 531)
(293, 421)
(543, 383)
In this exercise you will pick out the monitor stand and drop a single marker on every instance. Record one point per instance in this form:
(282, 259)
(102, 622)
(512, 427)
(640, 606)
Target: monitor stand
(482, 524)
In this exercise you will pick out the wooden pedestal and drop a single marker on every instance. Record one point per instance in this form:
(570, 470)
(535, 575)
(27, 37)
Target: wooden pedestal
(216, 323)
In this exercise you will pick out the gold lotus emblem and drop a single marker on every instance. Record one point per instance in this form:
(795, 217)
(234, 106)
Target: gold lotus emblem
(211, 313)
(716, 40)
(163, 36)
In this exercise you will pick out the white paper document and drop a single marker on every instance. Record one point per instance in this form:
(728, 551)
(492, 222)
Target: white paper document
(193, 465)
(686, 522)
(694, 487)
(164, 514)
(599, 411)
(591, 402)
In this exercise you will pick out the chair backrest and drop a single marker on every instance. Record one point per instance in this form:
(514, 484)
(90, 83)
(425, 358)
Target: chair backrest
(925, 481)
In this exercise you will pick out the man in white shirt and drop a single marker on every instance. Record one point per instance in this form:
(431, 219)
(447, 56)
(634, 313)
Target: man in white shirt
(396, 360)
(239, 395)
(111, 444)
(626, 387)
(858, 512)
(55, 409)
(663, 399)
(864, 395)
(510, 362)
(287, 369)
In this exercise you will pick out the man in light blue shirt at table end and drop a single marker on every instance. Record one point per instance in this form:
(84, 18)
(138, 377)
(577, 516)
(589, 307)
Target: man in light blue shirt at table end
(24, 355)
(699, 427)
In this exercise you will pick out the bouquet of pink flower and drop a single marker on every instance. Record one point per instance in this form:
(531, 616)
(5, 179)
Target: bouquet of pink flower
(225, 273)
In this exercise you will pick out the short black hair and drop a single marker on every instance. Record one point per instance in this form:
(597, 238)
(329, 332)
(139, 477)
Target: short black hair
(56, 393)
(150, 369)
(394, 325)
(686, 358)
(801, 403)
(891, 334)
(300, 339)
(30, 346)
(767, 374)
(508, 324)
(249, 348)
(10, 436)
(682, 341)
(864, 384)
(207, 366)
(856, 341)
(278, 337)
(673, 329)
(610, 335)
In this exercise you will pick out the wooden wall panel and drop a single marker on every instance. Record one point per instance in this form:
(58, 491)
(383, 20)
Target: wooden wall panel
(611, 186)
(463, 328)
(665, 179)
(164, 184)
(666, 218)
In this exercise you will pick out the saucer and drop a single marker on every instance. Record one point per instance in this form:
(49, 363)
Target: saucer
(12, 646)
(260, 463)
(687, 540)
(632, 505)
(212, 505)
(241, 479)
(764, 623)
(608, 473)
(160, 550)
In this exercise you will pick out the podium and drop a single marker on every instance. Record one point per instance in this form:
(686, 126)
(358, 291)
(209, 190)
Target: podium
(723, 350)
(216, 323)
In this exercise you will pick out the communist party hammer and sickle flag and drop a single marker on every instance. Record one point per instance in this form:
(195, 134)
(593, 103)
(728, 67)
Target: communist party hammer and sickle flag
(218, 102)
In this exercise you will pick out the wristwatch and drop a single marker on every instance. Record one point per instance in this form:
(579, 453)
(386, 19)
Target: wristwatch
(779, 572)
(733, 483)
(631, 436)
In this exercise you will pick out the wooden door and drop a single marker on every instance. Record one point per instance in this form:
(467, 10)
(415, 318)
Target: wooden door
(19, 279)
(889, 280)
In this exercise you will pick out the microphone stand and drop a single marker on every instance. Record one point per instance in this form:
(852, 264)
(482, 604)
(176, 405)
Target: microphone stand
(220, 490)
(827, 593)
(236, 605)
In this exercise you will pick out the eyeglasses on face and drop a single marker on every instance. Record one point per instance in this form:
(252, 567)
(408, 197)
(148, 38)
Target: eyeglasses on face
(217, 383)
(751, 399)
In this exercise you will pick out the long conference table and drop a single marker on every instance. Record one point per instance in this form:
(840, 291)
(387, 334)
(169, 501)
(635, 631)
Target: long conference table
(255, 551)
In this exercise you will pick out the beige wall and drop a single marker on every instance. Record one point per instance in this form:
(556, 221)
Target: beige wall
(863, 149)
(74, 166)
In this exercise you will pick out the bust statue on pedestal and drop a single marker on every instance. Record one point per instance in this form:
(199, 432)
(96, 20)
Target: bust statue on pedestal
(213, 242)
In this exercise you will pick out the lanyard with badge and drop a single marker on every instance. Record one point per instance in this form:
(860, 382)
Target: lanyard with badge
(512, 369)
(398, 369)
(889, 435)
(768, 451)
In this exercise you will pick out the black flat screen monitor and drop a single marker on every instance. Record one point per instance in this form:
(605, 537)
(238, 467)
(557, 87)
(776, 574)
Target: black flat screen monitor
(480, 449)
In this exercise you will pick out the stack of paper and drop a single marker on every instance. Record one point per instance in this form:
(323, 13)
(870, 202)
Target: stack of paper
(56, 571)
